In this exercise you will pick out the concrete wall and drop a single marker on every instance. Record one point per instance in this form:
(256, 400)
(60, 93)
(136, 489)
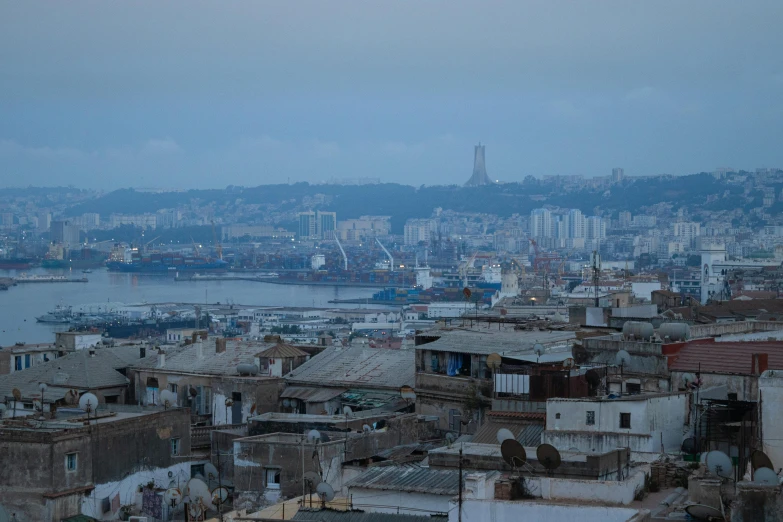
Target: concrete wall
(745, 386)
(601, 491)
(655, 421)
(402, 502)
(514, 511)
(770, 398)
(700, 331)
(756, 502)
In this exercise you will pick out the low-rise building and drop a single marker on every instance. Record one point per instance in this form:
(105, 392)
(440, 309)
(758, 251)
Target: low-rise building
(22, 356)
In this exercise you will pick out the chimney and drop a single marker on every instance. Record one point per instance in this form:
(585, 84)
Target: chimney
(161, 359)
(200, 349)
(220, 344)
(760, 363)
(142, 352)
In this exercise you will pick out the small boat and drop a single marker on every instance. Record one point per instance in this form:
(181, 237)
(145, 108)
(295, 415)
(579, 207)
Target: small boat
(86, 271)
(60, 315)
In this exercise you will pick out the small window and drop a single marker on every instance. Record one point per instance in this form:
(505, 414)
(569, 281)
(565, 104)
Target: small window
(557, 415)
(174, 447)
(273, 479)
(590, 421)
(173, 388)
(17, 363)
(71, 461)
(633, 388)
(625, 420)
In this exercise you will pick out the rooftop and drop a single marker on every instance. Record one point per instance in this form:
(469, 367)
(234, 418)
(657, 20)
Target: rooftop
(375, 368)
(329, 515)
(725, 357)
(407, 479)
(492, 341)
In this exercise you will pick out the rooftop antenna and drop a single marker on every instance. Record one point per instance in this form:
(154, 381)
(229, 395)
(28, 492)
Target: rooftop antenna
(549, 457)
(622, 359)
(595, 263)
(42, 386)
(17, 397)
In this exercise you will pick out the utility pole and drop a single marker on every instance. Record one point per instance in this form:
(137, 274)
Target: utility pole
(459, 513)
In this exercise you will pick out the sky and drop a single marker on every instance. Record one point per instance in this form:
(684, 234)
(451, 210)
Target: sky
(190, 94)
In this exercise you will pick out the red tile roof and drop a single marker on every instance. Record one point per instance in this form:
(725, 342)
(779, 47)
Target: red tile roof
(733, 358)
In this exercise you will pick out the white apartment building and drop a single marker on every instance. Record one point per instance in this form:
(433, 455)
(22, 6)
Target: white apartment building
(541, 223)
(417, 230)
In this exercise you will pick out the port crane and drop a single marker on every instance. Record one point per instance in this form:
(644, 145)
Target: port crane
(342, 251)
(391, 259)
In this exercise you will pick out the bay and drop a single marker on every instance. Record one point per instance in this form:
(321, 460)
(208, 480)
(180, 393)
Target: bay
(21, 304)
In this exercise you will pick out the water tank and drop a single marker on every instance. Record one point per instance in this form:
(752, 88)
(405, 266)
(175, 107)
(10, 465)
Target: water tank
(674, 331)
(247, 369)
(637, 330)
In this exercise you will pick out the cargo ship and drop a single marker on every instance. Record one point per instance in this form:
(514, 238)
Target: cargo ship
(166, 263)
(15, 263)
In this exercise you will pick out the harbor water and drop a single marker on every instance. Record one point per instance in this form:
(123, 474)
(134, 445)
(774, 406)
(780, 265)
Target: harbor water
(21, 304)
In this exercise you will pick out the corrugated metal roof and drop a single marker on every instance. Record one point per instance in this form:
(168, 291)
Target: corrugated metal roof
(328, 515)
(375, 368)
(526, 433)
(488, 341)
(422, 480)
(732, 358)
(307, 394)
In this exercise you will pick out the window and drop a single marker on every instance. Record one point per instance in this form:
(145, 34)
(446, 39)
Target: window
(590, 421)
(455, 416)
(273, 479)
(625, 420)
(17, 363)
(27, 360)
(633, 388)
(557, 415)
(71, 461)
(174, 447)
(173, 388)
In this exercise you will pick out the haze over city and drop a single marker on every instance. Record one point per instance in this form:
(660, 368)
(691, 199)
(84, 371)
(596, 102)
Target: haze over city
(202, 95)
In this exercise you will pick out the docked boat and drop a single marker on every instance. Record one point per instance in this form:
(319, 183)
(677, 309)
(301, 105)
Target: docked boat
(60, 315)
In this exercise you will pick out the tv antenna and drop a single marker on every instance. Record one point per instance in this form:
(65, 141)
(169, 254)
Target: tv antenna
(549, 457)
(720, 464)
(595, 263)
(513, 453)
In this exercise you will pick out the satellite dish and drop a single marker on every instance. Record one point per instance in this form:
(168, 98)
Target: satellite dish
(172, 496)
(687, 378)
(622, 358)
(325, 438)
(759, 459)
(88, 402)
(71, 397)
(689, 446)
(17, 394)
(198, 490)
(211, 471)
(548, 456)
(766, 476)
(720, 464)
(325, 491)
(348, 410)
(592, 377)
(538, 349)
(4, 516)
(513, 453)
(168, 398)
(466, 292)
(312, 478)
(313, 436)
(568, 363)
(286, 403)
(193, 391)
(219, 495)
(504, 434)
(494, 360)
(229, 402)
(367, 428)
(702, 512)
(703, 458)
(407, 393)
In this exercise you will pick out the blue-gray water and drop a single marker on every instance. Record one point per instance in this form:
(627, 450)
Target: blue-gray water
(21, 304)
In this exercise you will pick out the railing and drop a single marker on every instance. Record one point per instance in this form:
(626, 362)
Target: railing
(201, 436)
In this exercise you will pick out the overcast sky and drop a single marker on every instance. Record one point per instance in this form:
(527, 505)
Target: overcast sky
(191, 94)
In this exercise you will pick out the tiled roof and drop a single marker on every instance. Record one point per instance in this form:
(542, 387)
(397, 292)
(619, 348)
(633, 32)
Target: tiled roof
(307, 394)
(422, 480)
(77, 370)
(185, 358)
(375, 368)
(489, 341)
(733, 358)
(282, 350)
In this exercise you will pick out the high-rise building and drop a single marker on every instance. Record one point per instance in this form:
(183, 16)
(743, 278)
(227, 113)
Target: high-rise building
(576, 224)
(417, 230)
(44, 221)
(624, 219)
(688, 231)
(66, 233)
(595, 228)
(618, 175)
(479, 176)
(314, 225)
(541, 223)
